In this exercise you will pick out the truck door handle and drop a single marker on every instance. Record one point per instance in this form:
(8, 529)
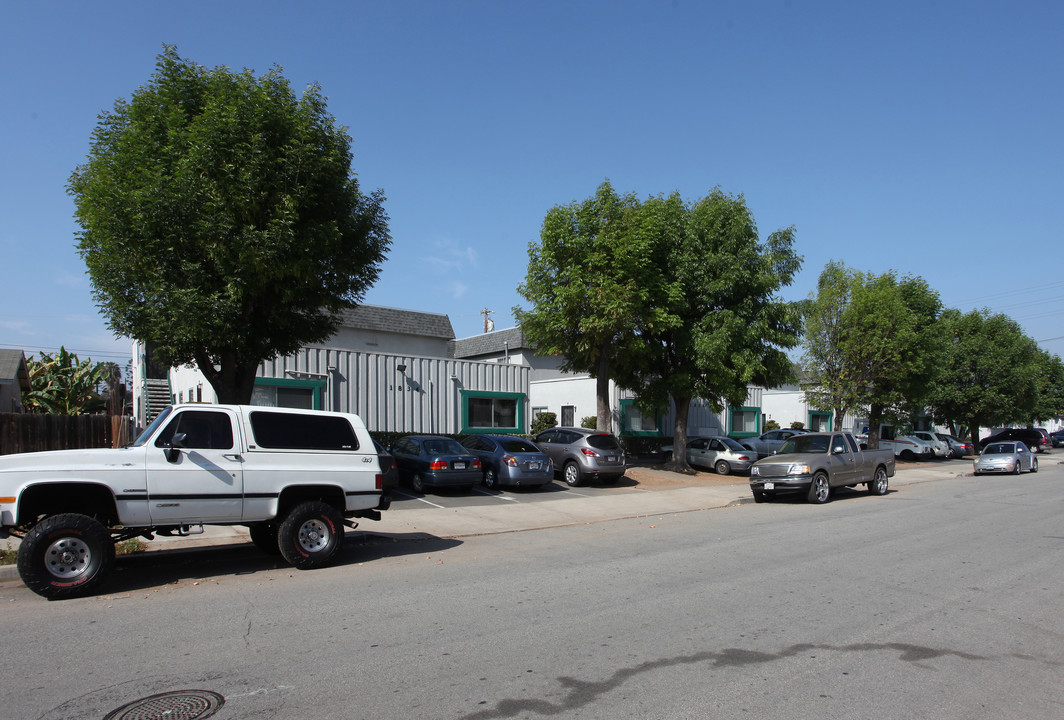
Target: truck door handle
(233, 456)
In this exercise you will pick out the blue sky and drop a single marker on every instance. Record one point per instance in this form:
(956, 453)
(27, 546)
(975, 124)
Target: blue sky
(920, 137)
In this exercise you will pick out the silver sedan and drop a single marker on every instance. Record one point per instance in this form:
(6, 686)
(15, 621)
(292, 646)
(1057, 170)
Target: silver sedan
(720, 453)
(1006, 457)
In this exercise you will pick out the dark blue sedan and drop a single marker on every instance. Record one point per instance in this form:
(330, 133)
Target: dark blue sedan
(429, 460)
(509, 460)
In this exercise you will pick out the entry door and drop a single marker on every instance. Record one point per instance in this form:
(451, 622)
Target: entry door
(203, 480)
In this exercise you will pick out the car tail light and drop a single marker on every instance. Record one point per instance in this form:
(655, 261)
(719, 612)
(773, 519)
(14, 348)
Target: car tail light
(380, 481)
(589, 452)
(438, 465)
(476, 464)
(510, 460)
(743, 457)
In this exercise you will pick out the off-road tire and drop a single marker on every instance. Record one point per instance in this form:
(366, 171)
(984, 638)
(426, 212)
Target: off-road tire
(311, 535)
(65, 556)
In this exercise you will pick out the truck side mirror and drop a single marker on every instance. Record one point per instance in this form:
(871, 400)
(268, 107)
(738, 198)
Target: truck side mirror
(173, 448)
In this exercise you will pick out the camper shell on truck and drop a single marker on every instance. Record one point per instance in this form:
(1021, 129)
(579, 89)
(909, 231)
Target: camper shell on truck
(295, 478)
(816, 463)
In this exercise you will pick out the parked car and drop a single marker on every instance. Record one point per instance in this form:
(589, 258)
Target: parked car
(769, 442)
(430, 460)
(906, 447)
(939, 447)
(723, 454)
(1057, 438)
(957, 448)
(582, 454)
(1034, 440)
(816, 463)
(389, 472)
(1006, 457)
(509, 460)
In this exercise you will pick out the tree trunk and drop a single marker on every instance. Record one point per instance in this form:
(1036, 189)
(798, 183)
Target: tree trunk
(875, 414)
(679, 434)
(233, 382)
(604, 419)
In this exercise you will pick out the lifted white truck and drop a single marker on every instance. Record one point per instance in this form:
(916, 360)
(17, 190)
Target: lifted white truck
(293, 477)
(815, 463)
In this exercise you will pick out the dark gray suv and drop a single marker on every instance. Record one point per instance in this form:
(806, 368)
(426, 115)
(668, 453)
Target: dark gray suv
(582, 454)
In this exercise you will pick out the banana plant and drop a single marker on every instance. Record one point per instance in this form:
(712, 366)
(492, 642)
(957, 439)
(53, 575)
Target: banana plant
(62, 384)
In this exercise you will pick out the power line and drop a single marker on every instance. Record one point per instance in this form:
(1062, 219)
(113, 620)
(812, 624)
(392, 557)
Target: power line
(77, 351)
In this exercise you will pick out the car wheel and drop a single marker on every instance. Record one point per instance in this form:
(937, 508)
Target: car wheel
(722, 467)
(417, 482)
(264, 535)
(1016, 468)
(491, 479)
(819, 489)
(878, 486)
(311, 535)
(908, 455)
(65, 556)
(571, 473)
(759, 497)
(1034, 464)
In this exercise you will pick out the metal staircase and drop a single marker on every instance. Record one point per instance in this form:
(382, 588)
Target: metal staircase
(157, 395)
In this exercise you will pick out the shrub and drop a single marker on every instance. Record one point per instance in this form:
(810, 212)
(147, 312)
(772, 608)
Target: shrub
(543, 421)
(590, 422)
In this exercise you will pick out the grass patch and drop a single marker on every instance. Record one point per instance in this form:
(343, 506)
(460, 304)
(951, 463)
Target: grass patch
(7, 557)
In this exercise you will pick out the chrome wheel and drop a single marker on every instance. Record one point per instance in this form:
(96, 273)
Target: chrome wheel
(878, 486)
(314, 535)
(819, 489)
(68, 558)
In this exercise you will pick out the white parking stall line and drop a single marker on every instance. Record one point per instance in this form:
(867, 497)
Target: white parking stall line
(415, 497)
(481, 491)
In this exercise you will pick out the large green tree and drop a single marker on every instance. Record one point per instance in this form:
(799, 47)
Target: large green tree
(883, 346)
(828, 382)
(221, 221)
(721, 326)
(991, 371)
(590, 277)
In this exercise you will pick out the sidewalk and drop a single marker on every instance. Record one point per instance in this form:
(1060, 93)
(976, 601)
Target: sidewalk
(656, 492)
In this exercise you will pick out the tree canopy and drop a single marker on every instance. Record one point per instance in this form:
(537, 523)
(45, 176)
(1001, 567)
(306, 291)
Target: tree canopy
(221, 221)
(721, 326)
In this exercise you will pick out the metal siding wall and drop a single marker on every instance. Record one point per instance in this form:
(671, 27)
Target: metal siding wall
(424, 399)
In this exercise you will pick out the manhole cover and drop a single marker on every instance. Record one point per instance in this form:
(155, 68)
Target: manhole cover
(176, 705)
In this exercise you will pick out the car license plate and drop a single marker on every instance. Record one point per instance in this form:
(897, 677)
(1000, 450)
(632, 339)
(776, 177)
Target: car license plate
(611, 458)
(459, 466)
(533, 466)
(770, 486)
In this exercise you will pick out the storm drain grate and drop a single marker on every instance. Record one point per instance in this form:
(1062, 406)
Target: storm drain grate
(175, 705)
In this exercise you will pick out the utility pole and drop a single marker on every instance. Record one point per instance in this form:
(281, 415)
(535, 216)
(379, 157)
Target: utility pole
(485, 312)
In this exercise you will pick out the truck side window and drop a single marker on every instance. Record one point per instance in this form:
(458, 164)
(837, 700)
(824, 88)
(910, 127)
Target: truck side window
(852, 442)
(838, 445)
(203, 429)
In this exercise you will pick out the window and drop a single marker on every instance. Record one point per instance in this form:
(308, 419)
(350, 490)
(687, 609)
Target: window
(819, 421)
(203, 430)
(495, 411)
(302, 432)
(742, 421)
(285, 392)
(635, 422)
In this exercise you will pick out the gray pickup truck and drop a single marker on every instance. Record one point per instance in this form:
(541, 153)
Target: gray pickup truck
(814, 463)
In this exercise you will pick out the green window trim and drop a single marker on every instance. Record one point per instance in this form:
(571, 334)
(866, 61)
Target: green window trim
(732, 432)
(625, 432)
(315, 386)
(519, 402)
(819, 413)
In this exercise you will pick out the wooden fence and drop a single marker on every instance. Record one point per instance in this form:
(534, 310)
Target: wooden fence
(25, 432)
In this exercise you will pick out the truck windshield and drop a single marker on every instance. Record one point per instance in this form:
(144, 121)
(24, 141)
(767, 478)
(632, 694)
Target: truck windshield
(150, 430)
(806, 444)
